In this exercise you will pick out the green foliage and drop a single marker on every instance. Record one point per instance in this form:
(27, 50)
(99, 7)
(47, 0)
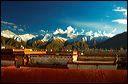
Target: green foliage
(39, 45)
(55, 45)
(80, 45)
(10, 43)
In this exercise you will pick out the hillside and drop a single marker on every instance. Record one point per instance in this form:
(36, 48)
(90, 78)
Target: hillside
(56, 44)
(117, 41)
(10, 43)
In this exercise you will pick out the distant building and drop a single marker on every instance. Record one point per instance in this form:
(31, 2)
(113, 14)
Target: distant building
(24, 57)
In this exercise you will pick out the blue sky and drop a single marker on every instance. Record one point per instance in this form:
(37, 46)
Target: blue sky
(86, 16)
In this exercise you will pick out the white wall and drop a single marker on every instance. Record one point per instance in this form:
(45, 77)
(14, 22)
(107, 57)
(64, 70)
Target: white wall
(114, 67)
(72, 66)
(7, 63)
(87, 67)
(79, 66)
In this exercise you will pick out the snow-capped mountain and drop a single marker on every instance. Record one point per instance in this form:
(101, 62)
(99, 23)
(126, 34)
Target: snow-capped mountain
(46, 37)
(18, 33)
(60, 38)
(17, 38)
(48, 41)
(26, 37)
(78, 38)
(97, 40)
(10, 34)
(7, 34)
(30, 38)
(100, 39)
(37, 38)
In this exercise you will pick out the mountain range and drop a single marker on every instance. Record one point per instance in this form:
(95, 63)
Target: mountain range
(12, 34)
(61, 41)
(30, 38)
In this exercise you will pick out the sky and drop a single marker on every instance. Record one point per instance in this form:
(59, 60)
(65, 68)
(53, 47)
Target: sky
(78, 17)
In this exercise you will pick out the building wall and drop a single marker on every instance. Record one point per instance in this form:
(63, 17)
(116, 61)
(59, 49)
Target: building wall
(50, 60)
(79, 66)
(72, 66)
(7, 63)
(87, 66)
(114, 67)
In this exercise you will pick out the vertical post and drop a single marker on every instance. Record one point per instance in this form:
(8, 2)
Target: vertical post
(116, 61)
(77, 66)
(75, 55)
(97, 66)
(18, 61)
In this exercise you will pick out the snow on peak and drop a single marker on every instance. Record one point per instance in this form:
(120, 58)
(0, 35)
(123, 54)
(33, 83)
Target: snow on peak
(46, 37)
(10, 34)
(7, 34)
(26, 37)
(59, 31)
(84, 38)
(17, 38)
(72, 36)
(60, 38)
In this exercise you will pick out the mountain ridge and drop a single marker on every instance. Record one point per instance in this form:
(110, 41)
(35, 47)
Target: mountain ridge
(117, 41)
(59, 44)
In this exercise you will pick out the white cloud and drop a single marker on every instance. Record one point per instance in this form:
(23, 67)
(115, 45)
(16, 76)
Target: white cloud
(7, 23)
(120, 21)
(20, 30)
(42, 30)
(14, 27)
(97, 25)
(70, 30)
(121, 9)
(59, 31)
(124, 11)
